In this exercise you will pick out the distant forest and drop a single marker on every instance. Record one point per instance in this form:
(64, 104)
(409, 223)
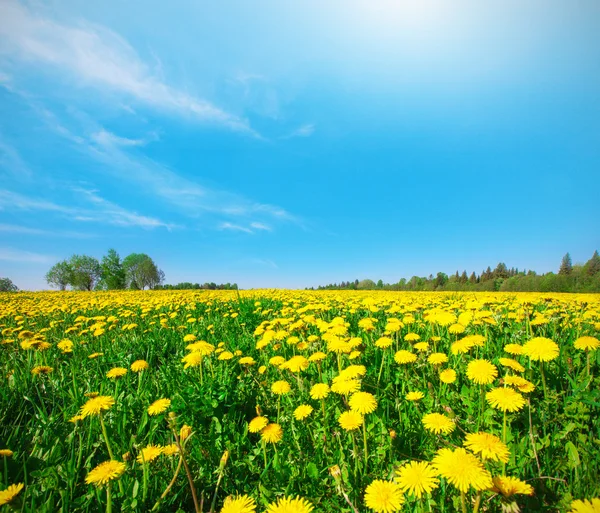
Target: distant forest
(570, 278)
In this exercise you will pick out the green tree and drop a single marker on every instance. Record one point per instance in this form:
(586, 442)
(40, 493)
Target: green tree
(85, 272)
(60, 275)
(366, 285)
(6, 285)
(592, 266)
(440, 280)
(566, 266)
(141, 272)
(113, 274)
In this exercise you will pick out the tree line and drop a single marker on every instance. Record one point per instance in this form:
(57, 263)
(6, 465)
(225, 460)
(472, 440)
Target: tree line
(570, 278)
(136, 271)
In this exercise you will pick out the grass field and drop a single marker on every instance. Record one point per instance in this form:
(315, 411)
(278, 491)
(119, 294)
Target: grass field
(426, 402)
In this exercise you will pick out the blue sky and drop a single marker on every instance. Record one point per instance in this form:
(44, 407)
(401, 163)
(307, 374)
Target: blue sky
(290, 144)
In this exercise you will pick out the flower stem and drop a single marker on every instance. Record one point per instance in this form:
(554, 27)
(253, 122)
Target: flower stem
(108, 499)
(463, 502)
(365, 442)
(168, 488)
(110, 453)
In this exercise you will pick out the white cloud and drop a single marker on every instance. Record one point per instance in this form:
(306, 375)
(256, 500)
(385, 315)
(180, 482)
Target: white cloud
(260, 226)
(302, 131)
(101, 58)
(26, 230)
(105, 138)
(11, 161)
(265, 262)
(17, 255)
(234, 227)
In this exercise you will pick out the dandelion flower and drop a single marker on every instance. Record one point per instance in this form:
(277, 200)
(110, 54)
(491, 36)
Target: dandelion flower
(350, 420)
(149, 453)
(417, 478)
(6, 453)
(586, 343)
(505, 399)
(41, 369)
(514, 349)
(296, 364)
(6, 496)
(412, 337)
(363, 403)
(257, 424)
(383, 342)
(437, 358)
(280, 387)
(303, 411)
(185, 432)
(421, 346)
(487, 447)
(317, 357)
(65, 345)
(438, 423)
(512, 364)
(319, 391)
(290, 505)
(414, 396)
(272, 433)
(239, 504)
(462, 469)
(585, 506)
(481, 372)
(76, 418)
(193, 359)
(384, 496)
(106, 472)
(403, 357)
(541, 349)
(225, 355)
(448, 376)
(96, 405)
(247, 360)
(159, 406)
(345, 386)
(276, 361)
(509, 486)
(139, 366)
(117, 372)
(170, 450)
(521, 384)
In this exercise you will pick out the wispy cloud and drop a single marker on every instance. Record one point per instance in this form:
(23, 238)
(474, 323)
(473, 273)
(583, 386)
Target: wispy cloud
(105, 212)
(11, 161)
(17, 255)
(99, 57)
(302, 131)
(260, 226)
(264, 262)
(106, 138)
(234, 227)
(26, 230)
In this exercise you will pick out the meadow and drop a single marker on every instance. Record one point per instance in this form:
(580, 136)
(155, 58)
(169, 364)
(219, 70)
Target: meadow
(296, 401)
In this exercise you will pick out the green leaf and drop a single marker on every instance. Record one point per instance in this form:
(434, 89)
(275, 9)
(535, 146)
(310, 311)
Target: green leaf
(573, 455)
(136, 487)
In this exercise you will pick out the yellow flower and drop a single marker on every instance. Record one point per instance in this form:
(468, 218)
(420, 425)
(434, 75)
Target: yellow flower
(246, 360)
(303, 411)
(149, 453)
(363, 403)
(65, 345)
(239, 504)
(541, 349)
(403, 356)
(41, 369)
(106, 472)
(448, 376)
(257, 424)
(6, 496)
(512, 364)
(585, 506)
(345, 386)
(6, 453)
(317, 357)
(384, 496)
(290, 505)
(437, 358)
(95, 355)
(272, 433)
(412, 337)
(170, 450)
(139, 365)
(159, 406)
(487, 446)
(421, 346)
(96, 405)
(481, 372)
(417, 477)
(185, 432)
(514, 349)
(116, 373)
(586, 343)
(505, 399)
(350, 420)
(280, 387)
(225, 355)
(509, 486)
(319, 391)
(296, 364)
(521, 384)
(462, 469)
(383, 342)
(414, 396)
(193, 359)
(438, 423)
(76, 418)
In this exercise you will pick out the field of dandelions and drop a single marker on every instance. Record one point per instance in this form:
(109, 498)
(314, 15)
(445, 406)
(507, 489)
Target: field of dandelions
(292, 401)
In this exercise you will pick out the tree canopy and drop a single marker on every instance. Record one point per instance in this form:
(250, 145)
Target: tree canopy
(6, 285)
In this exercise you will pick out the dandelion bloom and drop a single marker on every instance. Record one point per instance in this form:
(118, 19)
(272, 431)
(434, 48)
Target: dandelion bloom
(317, 357)
(65, 345)
(509, 486)
(585, 506)
(303, 411)
(481, 372)
(437, 358)
(417, 478)
(487, 447)
(139, 366)
(384, 496)
(277, 360)
(414, 396)
(272, 433)
(512, 364)
(189, 338)
(159, 406)
(10, 493)
(438, 423)
(280, 387)
(319, 391)
(456, 329)
(106, 472)
(194, 359)
(462, 469)
(541, 349)
(448, 376)
(239, 504)
(363, 403)
(383, 342)
(461, 346)
(521, 384)
(117, 372)
(257, 424)
(421, 346)
(41, 369)
(202, 347)
(505, 399)
(350, 420)
(170, 450)
(96, 405)
(95, 355)
(412, 337)
(76, 418)
(586, 343)
(514, 349)
(296, 364)
(149, 453)
(185, 432)
(290, 505)
(345, 386)
(246, 360)
(351, 372)
(403, 356)
(225, 355)
(6, 453)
